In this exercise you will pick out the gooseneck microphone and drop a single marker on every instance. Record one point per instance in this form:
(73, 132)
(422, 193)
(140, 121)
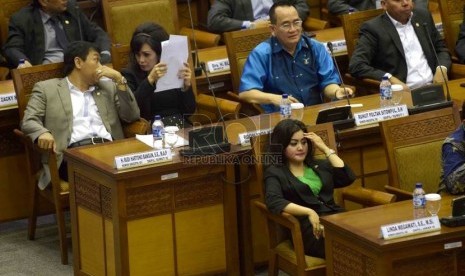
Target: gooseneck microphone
(212, 90)
(331, 49)
(197, 67)
(425, 26)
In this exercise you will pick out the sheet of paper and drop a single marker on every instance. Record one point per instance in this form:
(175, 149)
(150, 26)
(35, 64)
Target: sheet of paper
(148, 140)
(174, 53)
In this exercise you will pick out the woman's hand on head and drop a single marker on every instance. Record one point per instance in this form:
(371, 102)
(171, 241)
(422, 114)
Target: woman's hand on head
(316, 140)
(158, 71)
(185, 74)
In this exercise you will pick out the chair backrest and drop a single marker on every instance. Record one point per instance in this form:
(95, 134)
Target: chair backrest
(413, 147)
(9, 7)
(239, 44)
(351, 24)
(123, 16)
(452, 17)
(25, 78)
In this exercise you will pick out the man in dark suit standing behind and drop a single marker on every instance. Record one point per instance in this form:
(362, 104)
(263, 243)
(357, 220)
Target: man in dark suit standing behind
(41, 31)
(396, 44)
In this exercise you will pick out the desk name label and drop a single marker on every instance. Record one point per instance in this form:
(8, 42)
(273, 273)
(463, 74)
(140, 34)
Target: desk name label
(410, 227)
(142, 158)
(8, 99)
(218, 65)
(339, 46)
(380, 114)
(244, 137)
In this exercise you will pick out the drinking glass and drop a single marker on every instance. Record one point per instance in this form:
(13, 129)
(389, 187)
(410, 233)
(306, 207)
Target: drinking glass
(397, 91)
(433, 204)
(297, 111)
(171, 137)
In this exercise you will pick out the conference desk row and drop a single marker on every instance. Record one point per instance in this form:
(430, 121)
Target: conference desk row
(194, 216)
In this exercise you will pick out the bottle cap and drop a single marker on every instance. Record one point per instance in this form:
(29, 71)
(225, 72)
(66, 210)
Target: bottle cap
(157, 117)
(285, 95)
(419, 185)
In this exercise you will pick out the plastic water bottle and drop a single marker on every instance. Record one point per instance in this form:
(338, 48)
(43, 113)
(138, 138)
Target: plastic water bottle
(419, 208)
(157, 132)
(385, 92)
(285, 107)
(351, 10)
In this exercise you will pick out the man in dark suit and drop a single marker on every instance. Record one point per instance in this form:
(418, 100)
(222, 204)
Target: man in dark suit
(83, 108)
(40, 32)
(396, 44)
(233, 15)
(460, 46)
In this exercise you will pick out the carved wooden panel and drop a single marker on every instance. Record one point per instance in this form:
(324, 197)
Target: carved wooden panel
(247, 43)
(347, 261)
(438, 264)
(422, 128)
(149, 200)
(105, 193)
(461, 263)
(87, 192)
(199, 192)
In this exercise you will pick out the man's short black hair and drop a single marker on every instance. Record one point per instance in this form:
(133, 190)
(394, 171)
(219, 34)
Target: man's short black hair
(279, 3)
(75, 49)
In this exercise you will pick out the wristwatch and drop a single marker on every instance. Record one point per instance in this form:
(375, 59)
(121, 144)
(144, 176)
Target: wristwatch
(330, 151)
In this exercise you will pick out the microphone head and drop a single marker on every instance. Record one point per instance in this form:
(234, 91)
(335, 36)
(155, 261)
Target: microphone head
(330, 45)
(202, 64)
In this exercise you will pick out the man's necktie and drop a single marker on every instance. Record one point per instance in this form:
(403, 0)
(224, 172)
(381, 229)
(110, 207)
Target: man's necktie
(60, 35)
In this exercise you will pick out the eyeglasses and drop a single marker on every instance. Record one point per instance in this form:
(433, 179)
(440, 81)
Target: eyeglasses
(287, 26)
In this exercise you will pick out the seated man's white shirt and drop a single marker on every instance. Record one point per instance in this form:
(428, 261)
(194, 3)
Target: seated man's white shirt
(418, 71)
(261, 8)
(87, 122)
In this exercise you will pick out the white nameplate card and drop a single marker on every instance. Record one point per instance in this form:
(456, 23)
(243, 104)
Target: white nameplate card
(8, 99)
(142, 158)
(218, 65)
(410, 227)
(380, 114)
(244, 138)
(338, 46)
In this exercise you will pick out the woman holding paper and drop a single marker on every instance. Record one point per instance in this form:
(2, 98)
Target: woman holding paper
(145, 69)
(301, 185)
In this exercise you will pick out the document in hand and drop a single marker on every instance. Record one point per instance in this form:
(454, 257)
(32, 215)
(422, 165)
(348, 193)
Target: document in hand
(174, 53)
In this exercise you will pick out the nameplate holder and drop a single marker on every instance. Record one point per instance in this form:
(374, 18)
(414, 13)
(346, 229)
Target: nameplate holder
(381, 114)
(339, 46)
(244, 137)
(218, 65)
(8, 99)
(142, 159)
(410, 228)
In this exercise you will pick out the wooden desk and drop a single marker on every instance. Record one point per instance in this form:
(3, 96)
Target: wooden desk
(14, 191)
(221, 81)
(136, 222)
(354, 247)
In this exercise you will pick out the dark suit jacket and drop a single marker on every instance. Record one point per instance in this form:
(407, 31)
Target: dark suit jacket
(379, 49)
(460, 46)
(228, 15)
(26, 38)
(282, 188)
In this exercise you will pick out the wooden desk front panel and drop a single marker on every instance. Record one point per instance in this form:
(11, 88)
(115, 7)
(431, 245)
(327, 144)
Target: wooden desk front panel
(151, 226)
(353, 245)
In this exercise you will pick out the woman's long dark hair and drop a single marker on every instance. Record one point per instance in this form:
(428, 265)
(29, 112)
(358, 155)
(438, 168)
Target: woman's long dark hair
(152, 34)
(281, 137)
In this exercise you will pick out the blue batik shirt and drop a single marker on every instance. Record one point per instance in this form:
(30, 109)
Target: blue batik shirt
(453, 163)
(269, 68)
